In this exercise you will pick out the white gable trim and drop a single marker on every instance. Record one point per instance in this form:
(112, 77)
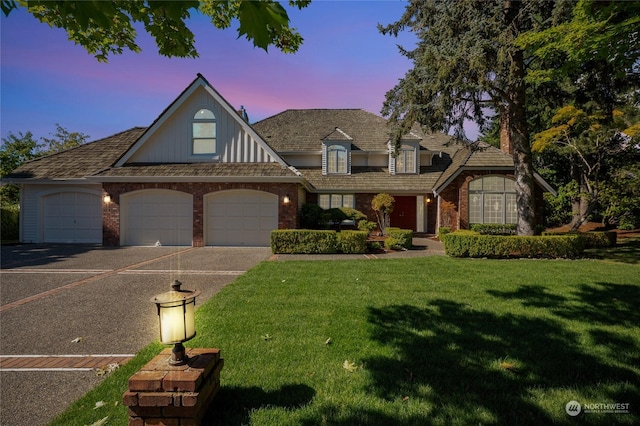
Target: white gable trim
(200, 82)
(232, 112)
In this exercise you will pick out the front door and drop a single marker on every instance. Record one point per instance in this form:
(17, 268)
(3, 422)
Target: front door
(404, 212)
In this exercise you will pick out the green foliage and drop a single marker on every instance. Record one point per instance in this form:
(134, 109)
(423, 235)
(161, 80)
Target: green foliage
(494, 228)
(592, 239)
(353, 214)
(332, 218)
(303, 241)
(444, 230)
(17, 149)
(596, 31)
(382, 204)
(9, 218)
(352, 242)
(558, 208)
(106, 28)
(398, 238)
(367, 226)
(465, 244)
(310, 216)
(433, 339)
(465, 62)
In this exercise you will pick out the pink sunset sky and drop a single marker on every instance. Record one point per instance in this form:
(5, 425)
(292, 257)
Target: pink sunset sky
(344, 62)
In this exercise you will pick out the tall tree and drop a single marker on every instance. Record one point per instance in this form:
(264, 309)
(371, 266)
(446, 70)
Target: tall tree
(466, 61)
(105, 28)
(591, 144)
(592, 61)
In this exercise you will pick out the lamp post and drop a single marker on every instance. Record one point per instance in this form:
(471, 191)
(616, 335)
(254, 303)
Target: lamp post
(176, 313)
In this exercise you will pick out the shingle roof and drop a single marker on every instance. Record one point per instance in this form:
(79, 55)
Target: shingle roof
(198, 170)
(475, 156)
(81, 161)
(304, 129)
(372, 179)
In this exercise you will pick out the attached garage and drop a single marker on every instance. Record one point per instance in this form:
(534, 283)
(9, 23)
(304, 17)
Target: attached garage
(240, 217)
(72, 217)
(156, 215)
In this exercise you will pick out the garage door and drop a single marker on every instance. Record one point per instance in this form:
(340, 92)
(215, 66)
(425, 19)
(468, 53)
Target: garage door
(72, 217)
(153, 215)
(240, 218)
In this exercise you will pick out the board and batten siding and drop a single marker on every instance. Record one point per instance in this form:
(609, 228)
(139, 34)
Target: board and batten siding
(31, 207)
(172, 143)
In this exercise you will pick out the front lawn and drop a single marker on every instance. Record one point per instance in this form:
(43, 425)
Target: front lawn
(432, 340)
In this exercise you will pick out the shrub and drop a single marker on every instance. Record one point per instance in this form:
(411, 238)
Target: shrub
(310, 215)
(303, 241)
(367, 226)
(593, 239)
(9, 216)
(352, 241)
(443, 230)
(398, 238)
(470, 244)
(382, 204)
(494, 228)
(331, 218)
(353, 214)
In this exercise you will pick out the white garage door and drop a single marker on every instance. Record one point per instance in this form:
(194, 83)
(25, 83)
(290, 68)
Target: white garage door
(240, 217)
(153, 215)
(72, 217)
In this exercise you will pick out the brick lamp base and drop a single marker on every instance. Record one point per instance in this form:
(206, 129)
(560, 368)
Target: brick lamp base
(161, 394)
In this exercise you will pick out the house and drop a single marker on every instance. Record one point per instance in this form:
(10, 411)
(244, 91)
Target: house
(200, 174)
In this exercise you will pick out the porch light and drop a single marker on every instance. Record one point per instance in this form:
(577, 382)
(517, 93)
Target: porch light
(106, 199)
(176, 313)
(286, 199)
(428, 199)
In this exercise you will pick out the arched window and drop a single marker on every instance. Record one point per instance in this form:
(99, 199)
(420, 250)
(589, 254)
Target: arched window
(204, 132)
(492, 199)
(336, 159)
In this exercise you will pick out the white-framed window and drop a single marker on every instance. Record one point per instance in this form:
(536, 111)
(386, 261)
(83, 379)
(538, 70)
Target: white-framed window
(332, 201)
(406, 160)
(492, 199)
(337, 159)
(204, 133)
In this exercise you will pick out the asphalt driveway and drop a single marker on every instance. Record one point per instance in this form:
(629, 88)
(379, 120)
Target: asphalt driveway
(79, 300)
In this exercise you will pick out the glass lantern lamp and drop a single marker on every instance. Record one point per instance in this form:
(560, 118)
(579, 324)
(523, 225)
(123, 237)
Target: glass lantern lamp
(176, 313)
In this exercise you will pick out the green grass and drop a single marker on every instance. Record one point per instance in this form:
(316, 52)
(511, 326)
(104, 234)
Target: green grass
(432, 340)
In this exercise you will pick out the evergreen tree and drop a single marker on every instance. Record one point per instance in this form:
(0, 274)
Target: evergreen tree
(465, 62)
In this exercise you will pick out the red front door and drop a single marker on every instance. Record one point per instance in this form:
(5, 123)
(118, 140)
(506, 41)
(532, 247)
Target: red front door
(404, 212)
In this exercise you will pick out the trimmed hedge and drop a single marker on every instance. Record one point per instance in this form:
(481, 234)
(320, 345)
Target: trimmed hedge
(471, 244)
(9, 216)
(495, 228)
(306, 241)
(353, 242)
(397, 237)
(303, 241)
(593, 239)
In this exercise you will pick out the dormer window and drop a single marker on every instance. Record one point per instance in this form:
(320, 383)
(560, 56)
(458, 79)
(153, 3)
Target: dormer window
(405, 160)
(204, 133)
(336, 158)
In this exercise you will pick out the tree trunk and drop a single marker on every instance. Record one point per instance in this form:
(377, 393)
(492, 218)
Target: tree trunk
(516, 126)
